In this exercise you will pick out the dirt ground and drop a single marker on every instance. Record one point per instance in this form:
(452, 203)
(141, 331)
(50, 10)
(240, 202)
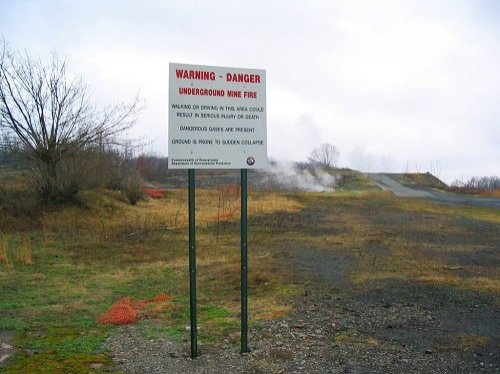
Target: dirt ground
(387, 287)
(396, 325)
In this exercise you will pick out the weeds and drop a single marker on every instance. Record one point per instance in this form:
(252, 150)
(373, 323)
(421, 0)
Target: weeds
(90, 255)
(132, 187)
(4, 252)
(24, 255)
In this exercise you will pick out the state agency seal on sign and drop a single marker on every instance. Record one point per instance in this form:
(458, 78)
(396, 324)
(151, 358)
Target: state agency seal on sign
(250, 161)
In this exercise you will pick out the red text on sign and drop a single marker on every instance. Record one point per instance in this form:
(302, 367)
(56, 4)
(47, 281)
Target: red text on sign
(245, 78)
(195, 74)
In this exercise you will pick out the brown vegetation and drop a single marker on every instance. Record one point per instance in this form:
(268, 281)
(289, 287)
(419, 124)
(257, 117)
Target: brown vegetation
(485, 186)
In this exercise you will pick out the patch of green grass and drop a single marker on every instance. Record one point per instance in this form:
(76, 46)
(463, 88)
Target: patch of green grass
(211, 312)
(12, 323)
(63, 339)
(156, 331)
(147, 282)
(54, 363)
(289, 290)
(59, 349)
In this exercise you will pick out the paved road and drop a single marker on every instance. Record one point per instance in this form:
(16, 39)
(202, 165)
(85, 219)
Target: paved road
(386, 183)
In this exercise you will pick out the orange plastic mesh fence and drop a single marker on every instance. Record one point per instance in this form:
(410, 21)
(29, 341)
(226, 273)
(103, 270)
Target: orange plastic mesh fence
(125, 310)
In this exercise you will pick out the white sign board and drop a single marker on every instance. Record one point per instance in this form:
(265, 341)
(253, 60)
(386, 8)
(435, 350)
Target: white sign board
(216, 118)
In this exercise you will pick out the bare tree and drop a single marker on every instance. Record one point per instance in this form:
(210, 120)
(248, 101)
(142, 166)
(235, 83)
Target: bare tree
(51, 114)
(325, 155)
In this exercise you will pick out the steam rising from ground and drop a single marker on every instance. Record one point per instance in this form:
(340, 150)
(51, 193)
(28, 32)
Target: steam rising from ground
(289, 176)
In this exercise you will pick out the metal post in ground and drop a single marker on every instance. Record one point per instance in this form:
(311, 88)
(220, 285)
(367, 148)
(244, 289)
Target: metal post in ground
(192, 263)
(244, 263)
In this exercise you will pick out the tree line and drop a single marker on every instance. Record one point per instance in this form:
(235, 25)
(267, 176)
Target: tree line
(477, 184)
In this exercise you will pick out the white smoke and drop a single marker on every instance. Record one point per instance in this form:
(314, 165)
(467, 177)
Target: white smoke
(288, 176)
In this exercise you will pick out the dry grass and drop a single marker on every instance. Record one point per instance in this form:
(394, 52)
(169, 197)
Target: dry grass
(4, 252)
(495, 193)
(266, 307)
(271, 311)
(450, 210)
(105, 213)
(419, 251)
(353, 337)
(409, 240)
(464, 342)
(88, 256)
(406, 263)
(474, 283)
(154, 233)
(24, 255)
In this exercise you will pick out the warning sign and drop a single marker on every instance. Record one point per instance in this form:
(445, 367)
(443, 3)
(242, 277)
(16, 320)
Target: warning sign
(217, 118)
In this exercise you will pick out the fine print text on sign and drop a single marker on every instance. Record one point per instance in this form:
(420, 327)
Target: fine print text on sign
(217, 118)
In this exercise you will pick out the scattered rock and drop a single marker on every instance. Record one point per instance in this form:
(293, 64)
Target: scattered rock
(352, 334)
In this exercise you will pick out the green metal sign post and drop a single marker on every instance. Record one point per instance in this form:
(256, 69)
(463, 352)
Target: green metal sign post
(192, 263)
(244, 263)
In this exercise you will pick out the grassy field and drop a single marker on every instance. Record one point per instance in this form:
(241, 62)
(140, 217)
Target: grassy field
(62, 268)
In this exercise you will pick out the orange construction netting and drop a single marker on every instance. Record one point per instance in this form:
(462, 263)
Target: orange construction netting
(125, 310)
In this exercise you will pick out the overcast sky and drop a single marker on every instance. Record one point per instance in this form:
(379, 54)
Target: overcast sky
(395, 85)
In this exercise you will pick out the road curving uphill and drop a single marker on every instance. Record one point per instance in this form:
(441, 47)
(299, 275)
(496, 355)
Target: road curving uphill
(387, 183)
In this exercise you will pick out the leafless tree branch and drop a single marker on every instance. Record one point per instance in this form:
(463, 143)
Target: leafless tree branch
(52, 113)
(325, 155)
